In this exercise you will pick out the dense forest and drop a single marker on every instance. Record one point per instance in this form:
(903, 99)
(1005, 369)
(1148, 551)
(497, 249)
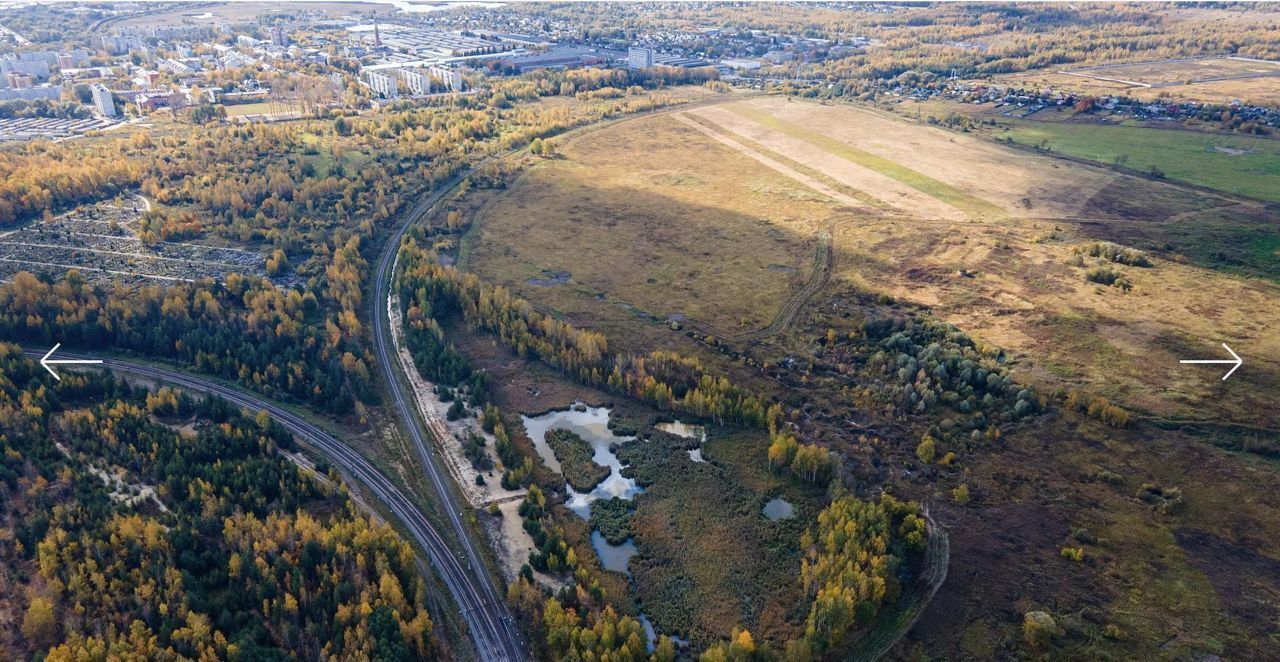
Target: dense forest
(245, 329)
(317, 193)
(146, 525)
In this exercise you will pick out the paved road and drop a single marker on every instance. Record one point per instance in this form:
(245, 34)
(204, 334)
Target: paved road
(483, 620)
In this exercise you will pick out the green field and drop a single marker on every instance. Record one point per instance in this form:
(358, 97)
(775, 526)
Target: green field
(1243, 165)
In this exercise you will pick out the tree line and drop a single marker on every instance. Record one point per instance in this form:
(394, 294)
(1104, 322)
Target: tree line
(665, 379)
(274, 341)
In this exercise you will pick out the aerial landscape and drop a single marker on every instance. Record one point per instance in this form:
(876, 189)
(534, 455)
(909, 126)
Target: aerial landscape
(791, 331)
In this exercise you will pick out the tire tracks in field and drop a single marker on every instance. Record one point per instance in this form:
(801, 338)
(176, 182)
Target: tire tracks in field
(904, 615)
(819, 276)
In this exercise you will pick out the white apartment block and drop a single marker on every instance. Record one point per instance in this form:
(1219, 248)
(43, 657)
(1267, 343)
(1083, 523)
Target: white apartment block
(452, 78)
(383, 85)
(417, 81)
(639, 58)
(102, 101)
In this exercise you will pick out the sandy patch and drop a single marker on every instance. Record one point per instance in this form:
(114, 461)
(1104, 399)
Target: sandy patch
(448, 435)
(119, 488)
(512, 544)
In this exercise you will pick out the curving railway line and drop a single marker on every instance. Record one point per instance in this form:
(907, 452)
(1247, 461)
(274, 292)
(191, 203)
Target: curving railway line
(485, 619)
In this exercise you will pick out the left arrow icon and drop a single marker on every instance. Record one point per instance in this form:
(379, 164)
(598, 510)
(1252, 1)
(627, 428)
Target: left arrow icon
(45, 361)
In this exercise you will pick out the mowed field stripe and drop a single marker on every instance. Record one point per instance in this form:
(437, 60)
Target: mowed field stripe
(774, 162)
(934, 188)
(790, 167)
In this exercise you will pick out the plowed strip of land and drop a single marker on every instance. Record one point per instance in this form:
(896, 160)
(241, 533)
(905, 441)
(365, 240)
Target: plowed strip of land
(817, 279)
(855, 175)
(770, 162)
(919, 181)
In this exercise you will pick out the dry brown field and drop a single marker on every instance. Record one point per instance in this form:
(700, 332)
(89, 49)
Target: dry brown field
(712, 216)
(758, 220)
(1184, 80)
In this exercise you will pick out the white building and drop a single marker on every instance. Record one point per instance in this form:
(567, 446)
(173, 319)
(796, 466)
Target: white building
(34, 68)
(121, 45)
(418, 82)
(279, 36)
(639, 58)
(102, 101)
(383, 85)
(452, 78)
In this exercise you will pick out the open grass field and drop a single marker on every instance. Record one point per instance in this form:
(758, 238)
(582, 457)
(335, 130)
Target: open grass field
(713, 220)
(1245, 165)
(633, 223)
(272, 108)
(720, 241)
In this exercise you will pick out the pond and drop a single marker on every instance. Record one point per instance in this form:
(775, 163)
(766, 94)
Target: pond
(688, 432)
(652, 635)
(592, 424)
(778, 509)
(613, 557)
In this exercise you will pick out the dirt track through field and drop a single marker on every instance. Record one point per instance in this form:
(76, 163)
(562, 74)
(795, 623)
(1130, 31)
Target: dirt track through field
(817, 279)
(897, 195)
(819, 276)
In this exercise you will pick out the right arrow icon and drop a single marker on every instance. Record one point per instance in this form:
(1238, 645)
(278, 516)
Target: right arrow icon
(1235, 360)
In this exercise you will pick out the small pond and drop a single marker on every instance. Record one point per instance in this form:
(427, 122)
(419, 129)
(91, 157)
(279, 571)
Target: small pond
(613, 557)
(592, 424)
(778, 509)
(687, 431)
(652, 635)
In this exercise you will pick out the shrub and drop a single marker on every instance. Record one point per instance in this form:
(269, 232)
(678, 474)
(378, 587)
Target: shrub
(1039, 628)
(576, 459)
(927, 449)
(1115, 253)
(612, 517)
(1109, 276)
(1097, 407)
(1163, 500)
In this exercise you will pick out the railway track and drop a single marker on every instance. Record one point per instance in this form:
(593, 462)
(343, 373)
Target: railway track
(483, 616)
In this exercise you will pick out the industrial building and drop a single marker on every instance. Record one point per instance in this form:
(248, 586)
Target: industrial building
(418, 42)
(559, 57)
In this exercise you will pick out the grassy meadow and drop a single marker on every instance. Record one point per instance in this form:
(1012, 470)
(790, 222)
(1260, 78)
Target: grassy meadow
(1244, 165)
